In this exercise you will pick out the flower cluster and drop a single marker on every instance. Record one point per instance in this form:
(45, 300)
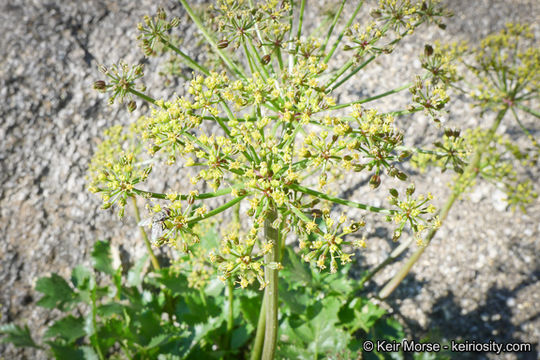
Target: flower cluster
(409, 212)
(325, 238)
(507, 66)
(121, 83)
(155, 30)
(238, 256)
(440, 62)
(497, 165)
(452, 152)
(431, 97)
(400, 17)
(240, 24)
(264, 132)
(116, 168)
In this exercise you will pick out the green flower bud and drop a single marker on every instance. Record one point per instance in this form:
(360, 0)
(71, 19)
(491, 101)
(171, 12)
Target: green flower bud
(375, 13)
(131, 106)
(222, 44)
(401, 176)
(404, 155)
(359, 167)
(175, 22)
(100, 86)
(161, 14)
(428, 50)
(410, 189)
(265, 59)
(375, 181)
(394, 192)
(242, 192)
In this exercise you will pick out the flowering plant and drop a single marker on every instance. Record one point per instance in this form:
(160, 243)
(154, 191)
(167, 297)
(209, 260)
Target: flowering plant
(264, 128)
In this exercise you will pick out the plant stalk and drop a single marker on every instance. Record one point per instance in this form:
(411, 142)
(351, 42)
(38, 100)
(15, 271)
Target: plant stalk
(470, 173)
(230, 311)
(153, 258)
(271, 290)
(259, 336)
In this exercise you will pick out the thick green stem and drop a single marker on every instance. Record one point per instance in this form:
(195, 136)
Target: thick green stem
(259, 336)
(153, 258)
(471, 172)
(230, 310)
(94, 335)
(271, 290)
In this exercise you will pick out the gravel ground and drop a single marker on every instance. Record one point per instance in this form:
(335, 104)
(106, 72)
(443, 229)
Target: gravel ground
(477, 281)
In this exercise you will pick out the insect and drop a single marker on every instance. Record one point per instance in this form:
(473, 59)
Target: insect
(158, 223)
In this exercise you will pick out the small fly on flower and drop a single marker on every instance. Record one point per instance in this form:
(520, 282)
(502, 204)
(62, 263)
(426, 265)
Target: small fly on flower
(158, 223)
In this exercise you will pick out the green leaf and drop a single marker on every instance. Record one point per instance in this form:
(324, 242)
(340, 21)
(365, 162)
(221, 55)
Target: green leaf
(336, 284)
(295, 272)
(177, 283)
(56, 293)
(83, 279)
(315, 332)
(387, 328)
(295, 301)
(250, 307)
(214, 288)
(107, 310)
(114, 330)
(18, 336)
(102, 258)
(366, 314)
(156, 341)
(209, 236)
(62, 352)
(80, 277)
(89, 327)
(89, 353)
(169, 357)
(239, 337)
(69, 328)
(134, 275)
(201, 331)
